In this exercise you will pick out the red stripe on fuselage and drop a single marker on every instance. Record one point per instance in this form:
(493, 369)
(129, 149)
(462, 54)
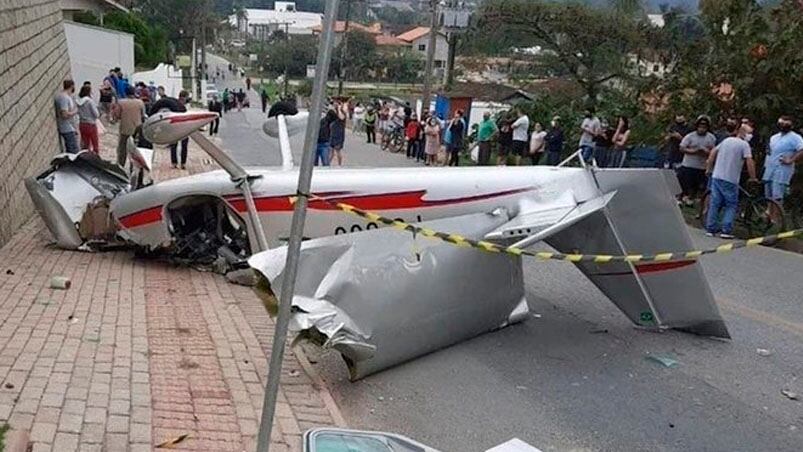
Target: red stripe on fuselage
(653, 267)
(385, 201)
(142, 218)
(191, 117)
(656, 267)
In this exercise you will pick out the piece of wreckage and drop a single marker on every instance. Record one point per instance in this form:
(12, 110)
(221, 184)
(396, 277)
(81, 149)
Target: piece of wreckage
(381, 296)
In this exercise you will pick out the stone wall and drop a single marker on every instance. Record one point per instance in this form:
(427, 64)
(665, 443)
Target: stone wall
(33, 62)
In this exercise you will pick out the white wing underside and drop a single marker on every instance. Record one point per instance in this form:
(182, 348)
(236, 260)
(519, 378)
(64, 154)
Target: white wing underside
(533, 225)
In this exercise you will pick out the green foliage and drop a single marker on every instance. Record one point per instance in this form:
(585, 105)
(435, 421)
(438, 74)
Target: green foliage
(297, 52)
(400, 67)
(590, 45)
(150, 42)
(305, 88)
(757, 53)
(357, 55)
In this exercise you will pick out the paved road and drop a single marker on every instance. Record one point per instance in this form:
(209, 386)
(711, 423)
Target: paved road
(576, 377)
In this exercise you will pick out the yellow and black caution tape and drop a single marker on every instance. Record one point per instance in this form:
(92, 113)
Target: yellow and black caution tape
(489, 247)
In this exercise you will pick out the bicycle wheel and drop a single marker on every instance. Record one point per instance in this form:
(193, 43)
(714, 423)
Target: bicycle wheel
(762, 217)
(705, 201)
(793, 206)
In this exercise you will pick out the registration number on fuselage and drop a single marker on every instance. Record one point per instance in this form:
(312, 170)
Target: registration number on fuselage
(359, 227)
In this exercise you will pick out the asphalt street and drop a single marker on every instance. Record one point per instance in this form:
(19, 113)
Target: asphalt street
(575, 376)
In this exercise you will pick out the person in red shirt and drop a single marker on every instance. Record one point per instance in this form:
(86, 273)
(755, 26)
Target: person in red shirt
(412, 132)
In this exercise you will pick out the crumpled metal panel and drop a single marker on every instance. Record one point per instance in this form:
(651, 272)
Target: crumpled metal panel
(383, 297)
(62, 193)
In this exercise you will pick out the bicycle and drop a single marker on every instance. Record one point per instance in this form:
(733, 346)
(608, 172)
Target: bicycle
(393, 140)
(758, 215)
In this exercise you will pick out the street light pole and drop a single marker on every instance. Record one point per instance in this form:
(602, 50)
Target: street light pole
(297, 227)
(433, 42)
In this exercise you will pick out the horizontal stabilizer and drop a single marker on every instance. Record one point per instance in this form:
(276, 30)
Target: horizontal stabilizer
(533, 226)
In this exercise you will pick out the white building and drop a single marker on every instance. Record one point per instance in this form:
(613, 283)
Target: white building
(262, 22)
(418, 40)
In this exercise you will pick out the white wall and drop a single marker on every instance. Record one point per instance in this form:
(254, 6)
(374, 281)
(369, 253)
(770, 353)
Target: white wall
(163, 75)
(441, 47)
(94, 50)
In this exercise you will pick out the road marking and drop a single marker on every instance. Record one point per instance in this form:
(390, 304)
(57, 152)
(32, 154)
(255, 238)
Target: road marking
(763, 317)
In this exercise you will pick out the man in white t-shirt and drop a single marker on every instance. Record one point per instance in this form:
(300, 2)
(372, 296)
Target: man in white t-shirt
(521, 135)
(727, 160)
(590, 128)
(359, 116)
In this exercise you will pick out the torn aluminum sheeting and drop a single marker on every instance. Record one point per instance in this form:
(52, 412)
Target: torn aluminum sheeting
(383, 297)
(72, 184)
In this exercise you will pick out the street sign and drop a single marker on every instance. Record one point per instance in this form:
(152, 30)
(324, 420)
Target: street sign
(310, 71)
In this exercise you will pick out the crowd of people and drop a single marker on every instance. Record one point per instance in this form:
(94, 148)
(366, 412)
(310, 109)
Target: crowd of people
(81, 120)
(722, 160)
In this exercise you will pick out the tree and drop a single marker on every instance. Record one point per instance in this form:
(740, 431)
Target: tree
(357, 53)
(401, 67)
(592, 46)
(297, 53)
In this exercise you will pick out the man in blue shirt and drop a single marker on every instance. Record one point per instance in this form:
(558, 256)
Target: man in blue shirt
(785, 149)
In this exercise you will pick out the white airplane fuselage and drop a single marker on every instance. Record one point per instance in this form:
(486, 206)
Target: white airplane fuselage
(410, 194)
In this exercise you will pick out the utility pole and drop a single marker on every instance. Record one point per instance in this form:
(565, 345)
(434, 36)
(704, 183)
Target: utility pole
(433, 42)
(341, 70)
(297, 226)
(286, 58)
(452, 40)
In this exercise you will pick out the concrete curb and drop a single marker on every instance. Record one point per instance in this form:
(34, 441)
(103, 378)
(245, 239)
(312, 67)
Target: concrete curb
(320, 385)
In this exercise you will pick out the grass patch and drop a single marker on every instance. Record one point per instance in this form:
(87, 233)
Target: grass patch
(3, 430)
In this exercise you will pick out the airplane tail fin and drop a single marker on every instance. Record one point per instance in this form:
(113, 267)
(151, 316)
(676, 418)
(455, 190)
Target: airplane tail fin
(642, 218)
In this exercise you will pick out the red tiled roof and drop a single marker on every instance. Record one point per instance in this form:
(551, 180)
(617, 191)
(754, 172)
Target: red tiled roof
(385, 40)
(415, 33)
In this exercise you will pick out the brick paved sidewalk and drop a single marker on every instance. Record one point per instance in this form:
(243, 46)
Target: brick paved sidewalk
(137, 352)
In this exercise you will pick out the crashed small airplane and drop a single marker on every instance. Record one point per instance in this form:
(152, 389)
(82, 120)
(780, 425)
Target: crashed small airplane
(381, 296)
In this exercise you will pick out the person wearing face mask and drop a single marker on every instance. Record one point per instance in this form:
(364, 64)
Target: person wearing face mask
(696, 147)
(674, 135)
(554, 142)
(724, 166)
(433, 140)
(785, 149)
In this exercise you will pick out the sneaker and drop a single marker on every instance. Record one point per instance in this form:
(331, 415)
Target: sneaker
(184, 167)
(727, 236)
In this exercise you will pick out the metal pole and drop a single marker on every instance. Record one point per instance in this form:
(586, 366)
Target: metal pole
(297, 228)
(433, 41)
(450, 61)
(286, 58)
(341, 70)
